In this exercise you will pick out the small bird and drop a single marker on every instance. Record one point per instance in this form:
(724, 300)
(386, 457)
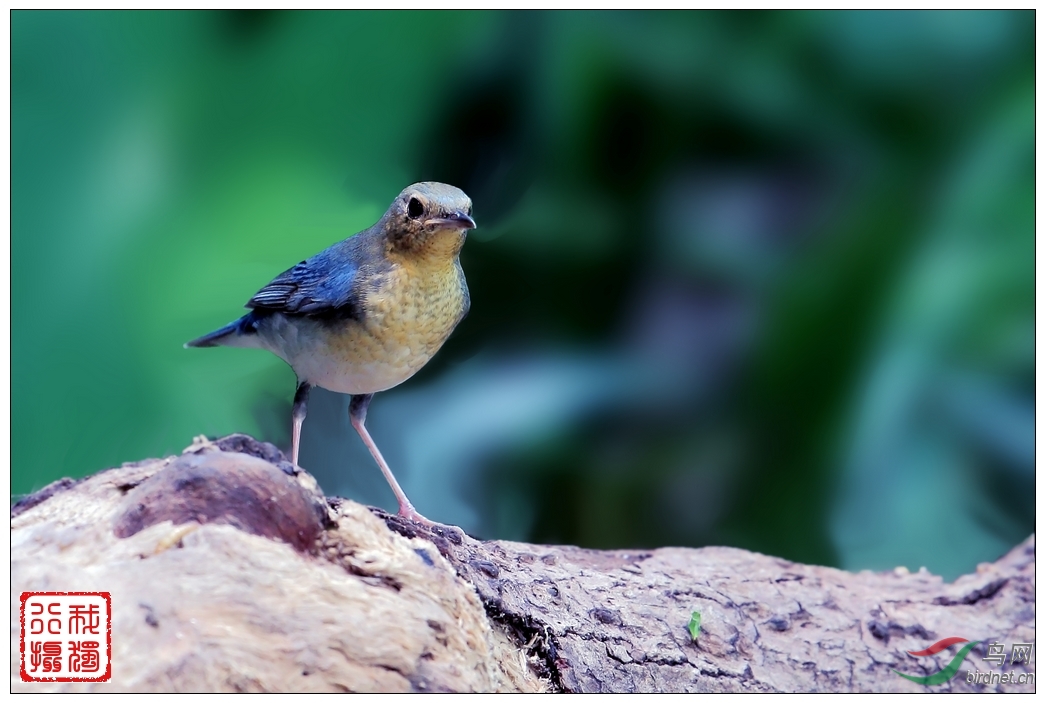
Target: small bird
(367, 313)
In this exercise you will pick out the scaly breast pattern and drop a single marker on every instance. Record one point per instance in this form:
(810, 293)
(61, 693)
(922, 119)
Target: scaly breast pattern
(408, 318)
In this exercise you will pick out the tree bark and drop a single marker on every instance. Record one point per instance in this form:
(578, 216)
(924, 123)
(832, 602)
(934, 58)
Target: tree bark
(230, 571)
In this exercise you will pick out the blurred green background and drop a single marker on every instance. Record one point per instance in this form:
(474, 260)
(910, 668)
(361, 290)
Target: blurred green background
(755, 279)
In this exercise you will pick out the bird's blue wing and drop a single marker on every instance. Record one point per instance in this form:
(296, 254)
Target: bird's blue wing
(320, 286)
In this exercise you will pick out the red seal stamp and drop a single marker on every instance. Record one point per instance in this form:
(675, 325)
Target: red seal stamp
(66, 636)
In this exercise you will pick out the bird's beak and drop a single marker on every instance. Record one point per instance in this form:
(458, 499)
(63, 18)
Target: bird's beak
(457, 220)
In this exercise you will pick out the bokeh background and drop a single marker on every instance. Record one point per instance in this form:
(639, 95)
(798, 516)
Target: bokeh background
(754, 279)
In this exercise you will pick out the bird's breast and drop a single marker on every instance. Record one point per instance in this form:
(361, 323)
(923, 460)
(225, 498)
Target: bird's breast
(409, 312)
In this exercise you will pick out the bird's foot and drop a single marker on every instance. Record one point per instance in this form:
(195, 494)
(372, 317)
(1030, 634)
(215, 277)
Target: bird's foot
(407, 511)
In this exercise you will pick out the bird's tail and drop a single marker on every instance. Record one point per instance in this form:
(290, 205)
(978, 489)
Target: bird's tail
(246, 325)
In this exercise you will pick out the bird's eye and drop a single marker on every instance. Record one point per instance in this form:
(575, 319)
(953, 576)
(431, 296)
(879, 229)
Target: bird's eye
(415, 208)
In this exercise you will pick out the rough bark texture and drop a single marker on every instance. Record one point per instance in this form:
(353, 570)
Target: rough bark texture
(230, 571)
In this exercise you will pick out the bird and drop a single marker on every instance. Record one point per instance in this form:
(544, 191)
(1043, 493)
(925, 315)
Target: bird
(365, 314)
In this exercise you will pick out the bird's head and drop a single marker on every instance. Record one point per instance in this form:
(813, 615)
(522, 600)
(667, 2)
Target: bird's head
(428, 219)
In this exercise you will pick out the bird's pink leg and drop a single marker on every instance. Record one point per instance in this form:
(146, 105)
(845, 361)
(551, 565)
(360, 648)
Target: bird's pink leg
(295, 439)
(357, 416)
(301, 402)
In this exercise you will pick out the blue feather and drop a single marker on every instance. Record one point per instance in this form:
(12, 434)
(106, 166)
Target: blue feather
(248, 324)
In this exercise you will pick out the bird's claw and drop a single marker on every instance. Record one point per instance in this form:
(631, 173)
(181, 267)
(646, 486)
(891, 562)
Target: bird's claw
(408, 512)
